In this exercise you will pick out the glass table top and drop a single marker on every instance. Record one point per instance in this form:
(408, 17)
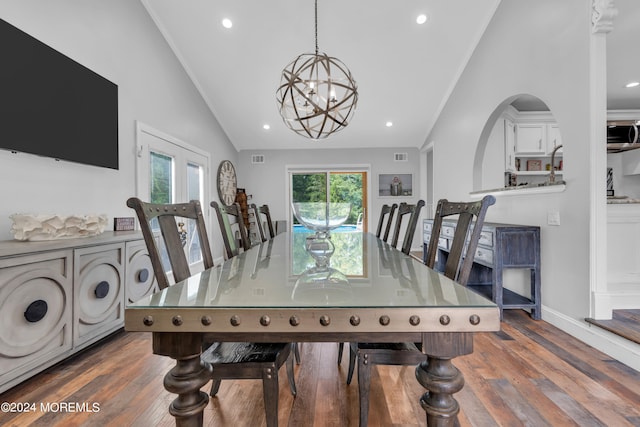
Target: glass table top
(364, 273)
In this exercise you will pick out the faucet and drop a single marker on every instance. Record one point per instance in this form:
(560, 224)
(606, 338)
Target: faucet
(552, 175)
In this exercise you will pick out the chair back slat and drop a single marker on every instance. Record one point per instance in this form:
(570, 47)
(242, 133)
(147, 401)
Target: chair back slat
(264, 209)
(471, 217)
(168, 216)
(386, 210)
(389, 222)
(256, 215)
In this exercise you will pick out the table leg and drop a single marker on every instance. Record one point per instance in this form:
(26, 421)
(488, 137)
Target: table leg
(441, 379)
(186, 378)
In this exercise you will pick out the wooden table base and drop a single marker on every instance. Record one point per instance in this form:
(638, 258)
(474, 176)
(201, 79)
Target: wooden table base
(186, 378)
(436, 374)
(441, 379)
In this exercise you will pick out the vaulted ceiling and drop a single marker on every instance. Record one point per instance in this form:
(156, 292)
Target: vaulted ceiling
(405, 71)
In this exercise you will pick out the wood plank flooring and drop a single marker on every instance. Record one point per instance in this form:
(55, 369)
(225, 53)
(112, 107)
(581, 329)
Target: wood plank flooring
(625, 323)
(528, 374)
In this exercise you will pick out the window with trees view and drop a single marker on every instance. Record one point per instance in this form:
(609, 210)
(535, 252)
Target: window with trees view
(333, 187)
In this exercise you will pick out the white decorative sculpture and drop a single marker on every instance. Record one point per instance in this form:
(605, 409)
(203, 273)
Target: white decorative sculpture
(51, 227)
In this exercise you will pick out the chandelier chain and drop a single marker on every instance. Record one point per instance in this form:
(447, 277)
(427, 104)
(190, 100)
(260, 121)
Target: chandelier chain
(317, 94)
(316, 24)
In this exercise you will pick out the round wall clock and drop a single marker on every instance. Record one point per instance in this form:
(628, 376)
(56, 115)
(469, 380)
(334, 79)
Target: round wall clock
(227, 183)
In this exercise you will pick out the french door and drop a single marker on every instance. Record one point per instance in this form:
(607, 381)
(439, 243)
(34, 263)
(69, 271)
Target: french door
(171, 171)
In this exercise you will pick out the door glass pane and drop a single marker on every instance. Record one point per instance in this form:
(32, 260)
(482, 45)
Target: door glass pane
(347, 187)
(310, 187)
(162, 183)
(194, 192)
(162, 179)
(194, 182)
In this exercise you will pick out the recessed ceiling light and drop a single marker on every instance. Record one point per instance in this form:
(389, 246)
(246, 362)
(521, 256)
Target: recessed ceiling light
(389, 124)
(226, 22)
(266, 127)
(421, 19)
(632, 84)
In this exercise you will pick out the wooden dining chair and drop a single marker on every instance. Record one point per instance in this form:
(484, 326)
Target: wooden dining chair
(461, 254)
(264, 209)
(470, 220)
(386, 212)
(229, 360)
(232, 245)
(168, 216)
(413, 211)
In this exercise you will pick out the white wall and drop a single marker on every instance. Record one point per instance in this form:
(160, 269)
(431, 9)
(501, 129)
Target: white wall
(514, 57)
(267, 182)
(493, 164)
(118, 40)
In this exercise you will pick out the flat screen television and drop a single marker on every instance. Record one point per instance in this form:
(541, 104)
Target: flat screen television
(52, 106)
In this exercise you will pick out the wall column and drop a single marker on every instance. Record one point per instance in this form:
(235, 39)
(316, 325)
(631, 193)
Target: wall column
(602, 14)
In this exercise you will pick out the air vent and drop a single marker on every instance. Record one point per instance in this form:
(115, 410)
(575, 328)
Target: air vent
(400, 157)
(257, 159)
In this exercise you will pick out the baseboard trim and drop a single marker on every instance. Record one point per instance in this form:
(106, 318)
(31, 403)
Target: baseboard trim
(611, 344)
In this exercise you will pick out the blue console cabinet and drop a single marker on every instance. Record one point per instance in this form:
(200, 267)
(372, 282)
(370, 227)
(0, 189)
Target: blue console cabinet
(501, 246)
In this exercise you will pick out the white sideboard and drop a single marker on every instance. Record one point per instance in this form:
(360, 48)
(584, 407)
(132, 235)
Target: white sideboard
(60, 296)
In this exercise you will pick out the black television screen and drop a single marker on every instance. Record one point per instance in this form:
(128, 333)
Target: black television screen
(52, 106)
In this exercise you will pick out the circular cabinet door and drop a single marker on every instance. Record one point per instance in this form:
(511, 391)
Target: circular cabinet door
(98, 291)
(227, 183)
(35, 310)
(140, 280)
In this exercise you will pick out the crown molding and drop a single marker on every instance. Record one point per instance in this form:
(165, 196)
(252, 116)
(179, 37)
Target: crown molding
(602, 14)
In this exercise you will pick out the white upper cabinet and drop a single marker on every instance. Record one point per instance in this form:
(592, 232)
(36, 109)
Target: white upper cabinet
(530, 138)
(509, 146)
(554, 139)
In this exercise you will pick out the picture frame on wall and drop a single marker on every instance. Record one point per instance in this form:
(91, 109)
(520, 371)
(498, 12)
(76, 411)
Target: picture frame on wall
(395, 185)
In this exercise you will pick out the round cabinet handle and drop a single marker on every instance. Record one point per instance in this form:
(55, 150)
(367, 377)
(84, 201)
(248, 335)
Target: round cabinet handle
(102, 289)
(143, 275)
(36, 311)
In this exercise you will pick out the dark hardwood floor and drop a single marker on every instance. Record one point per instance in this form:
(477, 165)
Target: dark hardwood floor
(625, 323)
(530, 374)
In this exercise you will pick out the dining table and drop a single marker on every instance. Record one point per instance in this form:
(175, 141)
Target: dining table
(276, 292)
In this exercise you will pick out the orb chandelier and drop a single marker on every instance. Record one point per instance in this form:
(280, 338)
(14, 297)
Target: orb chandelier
(317, 95)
